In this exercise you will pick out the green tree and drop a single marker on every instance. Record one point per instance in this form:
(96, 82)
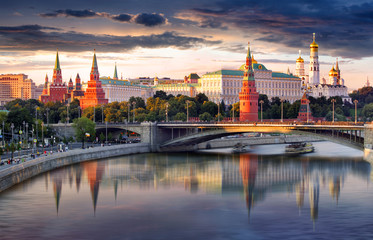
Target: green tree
(110, 137)
(209, 107)
(82, 127)
(160, 94)
(102, 137)
(206, 117)
(367, 111)
(180, 116)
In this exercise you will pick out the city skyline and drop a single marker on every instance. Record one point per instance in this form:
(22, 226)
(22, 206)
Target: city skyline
(173, 39)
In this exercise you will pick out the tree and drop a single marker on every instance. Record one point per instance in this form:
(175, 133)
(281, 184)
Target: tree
(209, 107)
(83, 126)
(180, 116)
(160, 94)
(201, 98)
(12, 149)
(206, 117)
(102, 137)
(367, 111)
(110, 137)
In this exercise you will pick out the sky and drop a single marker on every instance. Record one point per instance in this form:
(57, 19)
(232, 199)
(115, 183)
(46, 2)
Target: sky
(173, 38)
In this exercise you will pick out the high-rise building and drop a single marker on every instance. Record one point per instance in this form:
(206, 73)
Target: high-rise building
(94, 95)
(13, 86)
(314, 77)
(57, 89)
(248, 95)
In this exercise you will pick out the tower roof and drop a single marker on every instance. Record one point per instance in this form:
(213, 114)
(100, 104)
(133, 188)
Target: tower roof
(300, 59)
(115, 72)
(248, 50)
(77, 76)
(314, 44)
(336, 65)
(253, 60)
(57, 64)
(94, 62)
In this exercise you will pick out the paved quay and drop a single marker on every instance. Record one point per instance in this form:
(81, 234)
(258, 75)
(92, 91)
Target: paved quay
(16, 173)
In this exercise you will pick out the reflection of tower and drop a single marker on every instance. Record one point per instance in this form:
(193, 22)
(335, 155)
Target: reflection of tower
(314, 191)
(115, 188)
(335, 187)
(248, 169)
(57, 177)
(94, 171)
(78, 175)
(299, 189)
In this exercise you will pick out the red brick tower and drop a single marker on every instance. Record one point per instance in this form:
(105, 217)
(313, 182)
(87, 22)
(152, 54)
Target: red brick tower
(71, 86)
(248, 95)
(77, 92)
(304, 109)
(57, 89)
(44, 95)
(94, 95)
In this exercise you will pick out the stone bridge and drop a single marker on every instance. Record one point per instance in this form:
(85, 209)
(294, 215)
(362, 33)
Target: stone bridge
(184, 136)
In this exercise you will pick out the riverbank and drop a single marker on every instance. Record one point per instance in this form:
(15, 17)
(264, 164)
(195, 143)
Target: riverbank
(23, 171)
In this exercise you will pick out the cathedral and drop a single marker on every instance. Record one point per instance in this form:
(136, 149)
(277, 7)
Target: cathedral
(335, 85)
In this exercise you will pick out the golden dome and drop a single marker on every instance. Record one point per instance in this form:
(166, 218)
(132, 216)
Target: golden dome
(300, 59)
(333, 72)
(253, 60)
(314, 44)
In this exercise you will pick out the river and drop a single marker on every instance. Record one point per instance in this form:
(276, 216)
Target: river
(211, 194)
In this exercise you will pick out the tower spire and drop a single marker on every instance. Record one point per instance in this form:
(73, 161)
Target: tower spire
(57, 64)
(94, 62)
(115, 72)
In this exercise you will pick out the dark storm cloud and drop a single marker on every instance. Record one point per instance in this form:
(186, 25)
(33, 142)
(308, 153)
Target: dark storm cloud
(150, 20)
(34, 37)
(71, 13)
(146, 19)
(341, 30)
(122, 17)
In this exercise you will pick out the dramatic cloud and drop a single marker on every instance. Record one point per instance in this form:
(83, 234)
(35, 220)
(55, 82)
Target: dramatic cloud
(146, 19)
(34, 37)
(341, 30)
(150, 20)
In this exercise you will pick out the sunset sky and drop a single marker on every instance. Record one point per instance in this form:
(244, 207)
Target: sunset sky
(173, 38)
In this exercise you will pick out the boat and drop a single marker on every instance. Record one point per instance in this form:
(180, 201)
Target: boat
(299, 148)
(240, 148)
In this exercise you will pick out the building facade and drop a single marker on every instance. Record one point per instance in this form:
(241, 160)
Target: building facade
(13, 86)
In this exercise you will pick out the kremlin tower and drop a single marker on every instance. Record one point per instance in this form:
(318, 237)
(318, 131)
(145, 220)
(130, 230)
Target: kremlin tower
(248, 95)
(314, 77)
(299, 66)
(77, 92)
(94, 95)
(57, 89)
(304, 110)
(45, 88)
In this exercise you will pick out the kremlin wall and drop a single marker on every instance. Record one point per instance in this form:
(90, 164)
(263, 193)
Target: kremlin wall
(243, 84)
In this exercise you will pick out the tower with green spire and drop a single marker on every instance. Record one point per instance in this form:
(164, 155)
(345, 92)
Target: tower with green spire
(115, 72)
(57, 75)
(248, 95)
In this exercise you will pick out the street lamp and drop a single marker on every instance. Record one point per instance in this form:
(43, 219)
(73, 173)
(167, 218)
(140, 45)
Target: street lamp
(102, 113)
(3, 134)
(233, 112)
(261, 110)
(12, 127)
(94, 113)
(187, 102)
(219, 111)
(356, 101)
(106, 131)
(27, 135)
(333, 101)
(282, 110)
(167, 111)
(78, 111)
(36, 124)
(134, 104)
(128, 112)
(42, 135)
(47, 116)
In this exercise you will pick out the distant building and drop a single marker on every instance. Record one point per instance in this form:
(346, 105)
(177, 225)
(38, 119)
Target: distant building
(94, 94)
(13, 86)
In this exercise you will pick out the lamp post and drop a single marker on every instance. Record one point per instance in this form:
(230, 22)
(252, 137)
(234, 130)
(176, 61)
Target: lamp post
(187, 102)
(47, 116)
(12, 127)
(219, 111)
(42, 135)
(133, 104)
(308, 110)
(27, 135)
(333, 101)
(261, 110)
(106, 131)
(232, 112)
(78, 111)
(167, 111)
(23, 134)
(128, 112)
(282, 110)
(102, 113)
(3, 134)
(356, 101)
(94, 113)
(36, 124)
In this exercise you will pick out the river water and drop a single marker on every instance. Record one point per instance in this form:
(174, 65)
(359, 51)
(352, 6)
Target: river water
(206, 195)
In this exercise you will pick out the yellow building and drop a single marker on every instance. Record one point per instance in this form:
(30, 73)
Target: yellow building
(13, 86)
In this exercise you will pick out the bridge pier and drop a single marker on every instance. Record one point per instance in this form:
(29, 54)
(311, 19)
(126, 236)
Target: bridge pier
(368, 142)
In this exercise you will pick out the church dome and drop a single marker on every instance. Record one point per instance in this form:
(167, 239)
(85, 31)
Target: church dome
(314, 44)
(333, 72)
(300, 59)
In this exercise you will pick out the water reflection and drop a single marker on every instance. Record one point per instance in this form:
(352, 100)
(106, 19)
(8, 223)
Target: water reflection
(251, 175)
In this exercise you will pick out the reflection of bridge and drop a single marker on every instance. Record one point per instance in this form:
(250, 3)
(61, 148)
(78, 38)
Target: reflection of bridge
(183, 136)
